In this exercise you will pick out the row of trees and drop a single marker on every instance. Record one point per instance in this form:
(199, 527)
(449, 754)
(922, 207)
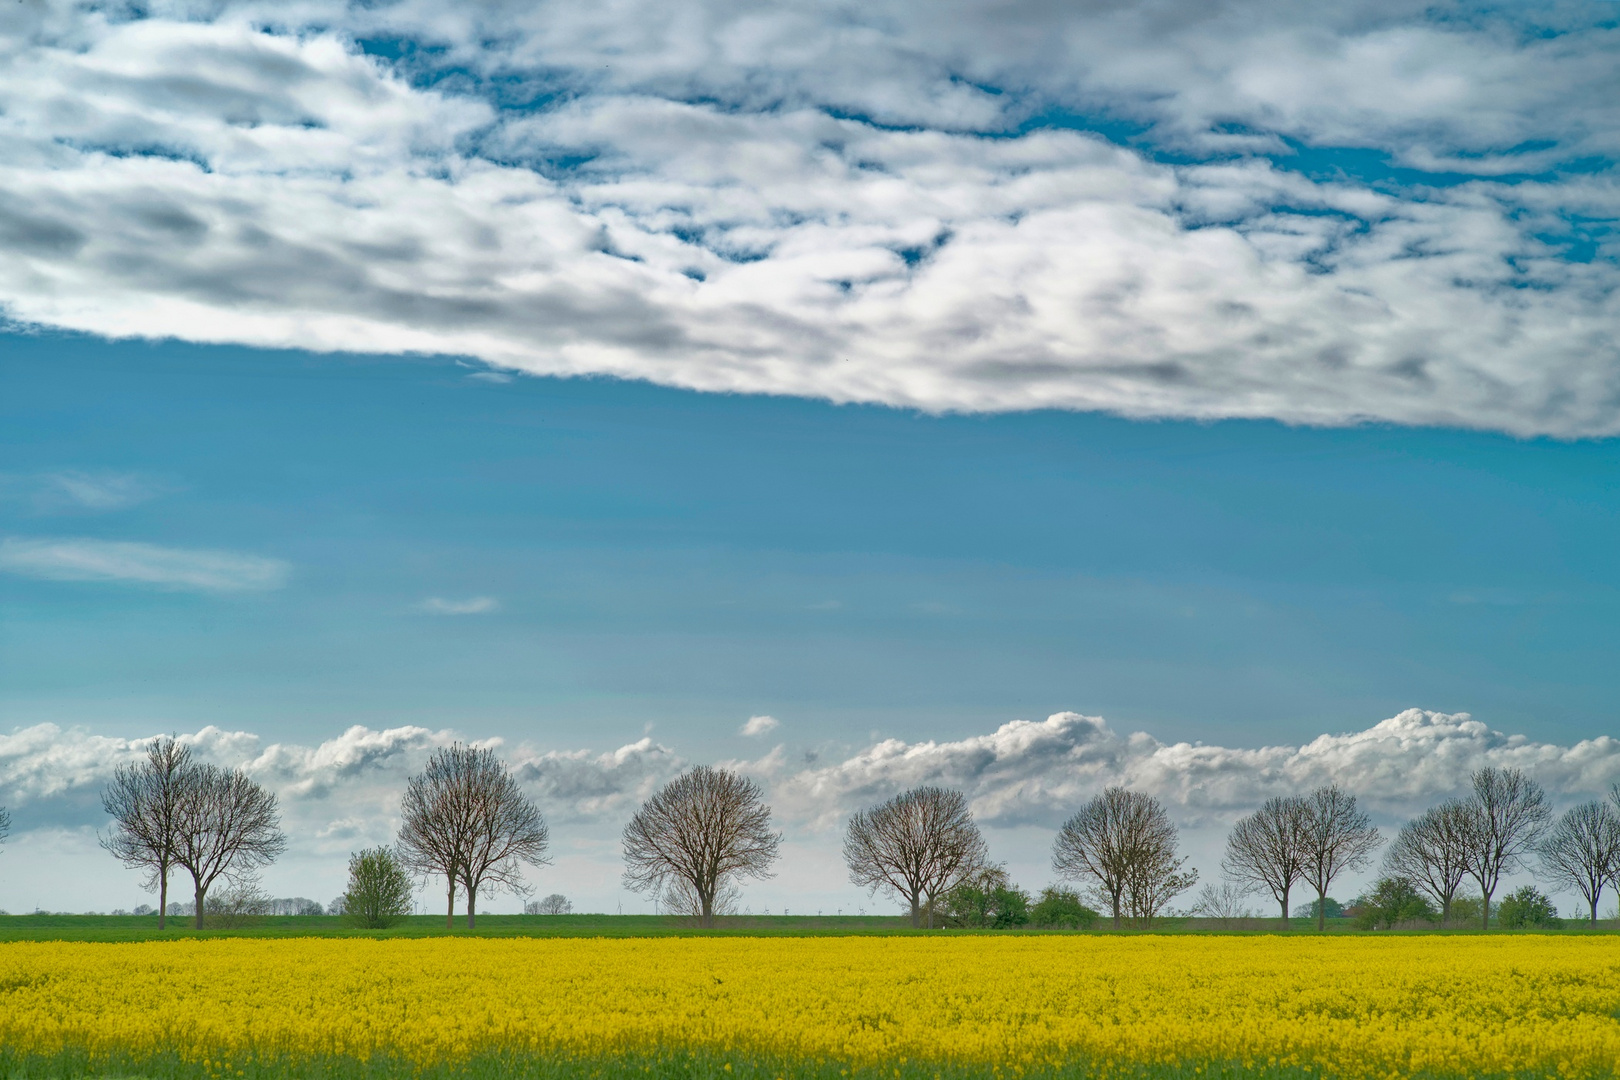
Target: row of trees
(466, 821)
(1504, 825)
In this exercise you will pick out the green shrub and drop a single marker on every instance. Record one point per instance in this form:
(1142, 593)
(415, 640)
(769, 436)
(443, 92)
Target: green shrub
(986, 901)
(1061, 909)
(1527, 907)
(1465, 910)
(379, 892)
(1394, 901)
(1335, 910)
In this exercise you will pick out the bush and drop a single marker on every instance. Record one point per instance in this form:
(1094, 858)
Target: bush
(1527, 907)
(1465, 910)
(1335, 910)
(987, 900)
(239, 905)
(379, 891)
(1061, 909)
(1394, 901)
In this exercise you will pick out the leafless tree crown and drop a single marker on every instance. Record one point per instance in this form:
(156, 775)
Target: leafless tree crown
(1266, 850)
(1507, 816)
(144, 801)
(1226, 903)
(702, 832)
(226, 826)
(1124, 844)
(1429, 852)
(465, 819)
(1582, 851)
(1338, 836)
(918, 845)
(5, 823)
(555, 904)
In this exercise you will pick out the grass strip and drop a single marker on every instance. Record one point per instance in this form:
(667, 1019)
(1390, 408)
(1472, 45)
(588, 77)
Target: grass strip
(76, 1065)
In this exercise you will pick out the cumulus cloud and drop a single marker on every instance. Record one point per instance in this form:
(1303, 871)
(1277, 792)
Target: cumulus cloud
(759, 725)
(473, 605)
(1024, 772)
(892, 202)
(1029, 772)
(1022, 778)
(193, 569)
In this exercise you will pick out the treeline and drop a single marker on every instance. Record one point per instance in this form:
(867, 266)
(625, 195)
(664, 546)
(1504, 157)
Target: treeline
(698, 839)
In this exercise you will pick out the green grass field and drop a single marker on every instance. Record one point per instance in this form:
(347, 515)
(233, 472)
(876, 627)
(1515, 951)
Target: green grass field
(681, 1066)
(42, 927)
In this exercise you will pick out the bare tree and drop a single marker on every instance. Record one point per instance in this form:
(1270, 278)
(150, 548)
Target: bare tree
(465, 819)
(1224, 903)
(555, 904)
(1429, 851)
(918, 845)
(225, 826)
(1507, 815)
(1266, 850)
(1124, 844)
(1156, 874)
(1339, 836)
(144, 801)
(703, 831)
(1582, 851)
(5, 823)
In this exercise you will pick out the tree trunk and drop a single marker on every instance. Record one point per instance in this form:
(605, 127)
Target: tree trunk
(1445, 912)
(1114, 899)
(472, 907)
(916, 911)
(450, 913)
(202, 902)
(705, 899)
(1321, 910)
(163, 896)
(1285, 908)
(1594, 913)
(1485, 913)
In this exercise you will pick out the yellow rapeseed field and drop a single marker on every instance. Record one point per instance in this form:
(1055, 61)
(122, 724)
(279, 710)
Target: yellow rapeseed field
(1350, 1007)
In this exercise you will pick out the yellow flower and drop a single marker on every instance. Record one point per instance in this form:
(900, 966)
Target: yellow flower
(1354, 1008)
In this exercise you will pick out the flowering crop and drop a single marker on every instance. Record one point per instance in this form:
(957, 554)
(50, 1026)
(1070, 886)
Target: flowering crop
(1341, 1007)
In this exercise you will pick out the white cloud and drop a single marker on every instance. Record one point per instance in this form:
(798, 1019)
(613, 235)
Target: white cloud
(759, 725)
(1022, 779)
(144, 564)
(1029, 772)
(1023, 772)
(728, 231)
(473, 605)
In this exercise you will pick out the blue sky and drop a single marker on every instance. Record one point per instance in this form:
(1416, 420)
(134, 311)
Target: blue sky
(654, 556)
(1214, 398)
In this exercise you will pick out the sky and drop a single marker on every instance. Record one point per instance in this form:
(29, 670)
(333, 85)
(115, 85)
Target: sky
(1218, 399)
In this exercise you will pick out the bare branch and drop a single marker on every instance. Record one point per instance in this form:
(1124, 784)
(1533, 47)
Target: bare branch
(918, 845)
(1582, 851)
(1339, 836)
(1429, 851)
(1508, 814)
(706, 829)
(466, 820)
(144, 801)
(225, 826)
(1266, 850)
(1124, 843)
